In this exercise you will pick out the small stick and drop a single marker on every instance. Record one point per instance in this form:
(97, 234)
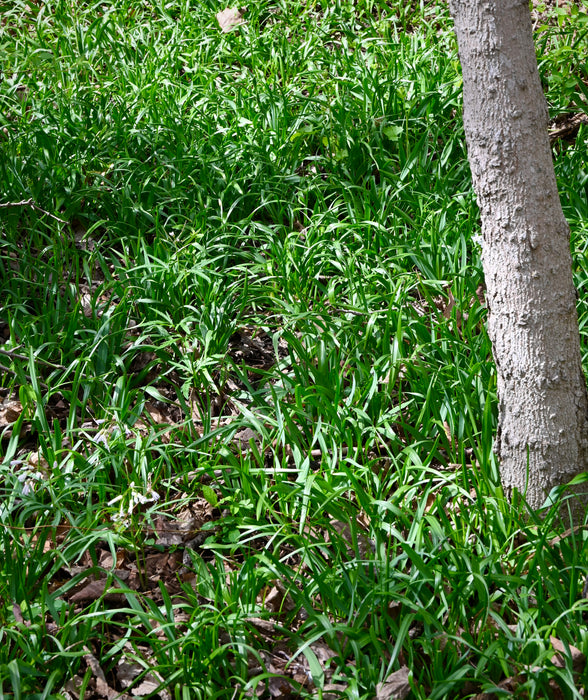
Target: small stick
(18, 356)
(11, 371)
(30, 203)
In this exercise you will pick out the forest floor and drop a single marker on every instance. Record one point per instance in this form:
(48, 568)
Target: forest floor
(247, 399)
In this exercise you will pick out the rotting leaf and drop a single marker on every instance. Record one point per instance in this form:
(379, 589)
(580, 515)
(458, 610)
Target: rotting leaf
(365, 546)
(103, 589)
(333, 691)
(73, 687)
(10, 410)
(577, 657)
(155, 414)
(148, 686)
(127, 672)
(277, 599)
(395, 687)
(17, 612)
(229, 18)
(102, 688)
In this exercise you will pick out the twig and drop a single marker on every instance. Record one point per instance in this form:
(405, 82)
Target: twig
(569, 127)
(11, 371)
(18, 356)
(30, 203)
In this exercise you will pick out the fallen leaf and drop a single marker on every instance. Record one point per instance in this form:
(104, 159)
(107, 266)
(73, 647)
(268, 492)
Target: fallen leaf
(578, 658)
(103, 588)
(126, 672)
(102, 687)
(280, 687)
(365, 546)
(229, 18)
(17, 612)
(323, 653)
(148, 687)
(395, 687)
(10, 410)
(333, 691)
(278, 600)
(155, 414)
(73, 687)
(508, 684)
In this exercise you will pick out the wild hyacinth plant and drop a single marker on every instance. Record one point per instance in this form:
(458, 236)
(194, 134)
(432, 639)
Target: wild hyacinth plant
(247, 397)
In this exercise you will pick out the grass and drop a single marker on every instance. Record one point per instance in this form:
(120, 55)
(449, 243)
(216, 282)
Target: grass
(248, 397)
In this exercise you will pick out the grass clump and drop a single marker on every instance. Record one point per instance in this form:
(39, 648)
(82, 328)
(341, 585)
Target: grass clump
(247, 396)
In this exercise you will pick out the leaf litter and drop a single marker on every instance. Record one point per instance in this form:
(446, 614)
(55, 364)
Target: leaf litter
(229, 19)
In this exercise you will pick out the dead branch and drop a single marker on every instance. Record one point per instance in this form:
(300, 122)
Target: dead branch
(30, 203)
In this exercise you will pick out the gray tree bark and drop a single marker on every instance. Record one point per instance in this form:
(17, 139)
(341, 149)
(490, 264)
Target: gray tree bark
(542, 438)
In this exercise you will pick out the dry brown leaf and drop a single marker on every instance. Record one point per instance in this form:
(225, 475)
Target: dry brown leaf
(102, 687)
(323, 653)
(91, 591)
(155, 414)
(73, 687)
(280, 687)
(17, 612)
(365, 546)
(508, 684)
(147, 688)
(126, 672)
(39, 462)
(229, 18)
(333, 691)
(79, 234)
(511, 683)
(395, 687)
(96, 589)
(278, 600)
(10, 410)
(578, 658)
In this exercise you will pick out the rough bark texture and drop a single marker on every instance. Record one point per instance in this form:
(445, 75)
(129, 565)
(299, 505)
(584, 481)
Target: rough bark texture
(542, 439)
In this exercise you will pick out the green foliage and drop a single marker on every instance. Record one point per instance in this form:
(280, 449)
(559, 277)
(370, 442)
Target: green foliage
(238, 278)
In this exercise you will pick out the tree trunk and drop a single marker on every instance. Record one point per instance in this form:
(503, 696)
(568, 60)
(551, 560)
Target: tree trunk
(542, 438)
